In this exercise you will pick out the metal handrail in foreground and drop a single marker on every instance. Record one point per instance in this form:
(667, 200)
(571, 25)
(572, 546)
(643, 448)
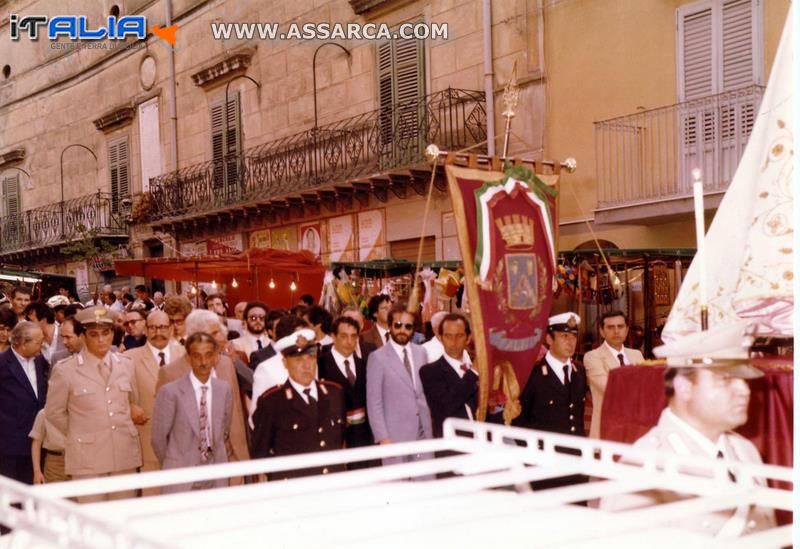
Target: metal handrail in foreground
(493, 467)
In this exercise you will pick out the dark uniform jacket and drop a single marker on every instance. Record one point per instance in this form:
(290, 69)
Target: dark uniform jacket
(447, 392)
(549, 405)
(285, 425)
(357, 432)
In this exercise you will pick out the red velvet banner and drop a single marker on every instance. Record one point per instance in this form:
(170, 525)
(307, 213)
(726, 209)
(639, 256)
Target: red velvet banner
(506, 235)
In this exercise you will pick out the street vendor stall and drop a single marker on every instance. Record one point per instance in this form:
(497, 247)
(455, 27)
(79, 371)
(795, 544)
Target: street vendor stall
(277, 277)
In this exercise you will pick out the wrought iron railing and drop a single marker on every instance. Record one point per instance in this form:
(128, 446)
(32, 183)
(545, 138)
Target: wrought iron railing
(650, 155)
(60, 222)
(358, 146)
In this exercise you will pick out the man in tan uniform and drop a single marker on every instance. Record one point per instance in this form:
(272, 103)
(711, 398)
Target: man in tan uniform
(160, 350)
(89, 400)
(708, 398)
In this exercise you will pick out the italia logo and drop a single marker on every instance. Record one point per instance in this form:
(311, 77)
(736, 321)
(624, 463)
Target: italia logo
(77, 27)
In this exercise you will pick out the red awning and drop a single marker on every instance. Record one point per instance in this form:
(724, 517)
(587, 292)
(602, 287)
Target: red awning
(221, 267)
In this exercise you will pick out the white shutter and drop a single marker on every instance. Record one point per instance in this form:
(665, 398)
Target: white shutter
(695, 53)
(737, 45)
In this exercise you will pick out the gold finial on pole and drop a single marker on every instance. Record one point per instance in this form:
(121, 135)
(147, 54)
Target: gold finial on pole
(510, 98)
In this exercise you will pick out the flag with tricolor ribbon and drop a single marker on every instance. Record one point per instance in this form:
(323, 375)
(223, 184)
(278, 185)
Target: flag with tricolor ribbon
(506, 225)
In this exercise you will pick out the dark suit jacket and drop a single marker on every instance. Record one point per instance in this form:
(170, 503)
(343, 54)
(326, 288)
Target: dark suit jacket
(372, 336)
(549, 405)
(286, 425)
(447, 393)
(355, 396)
(259, 356)
(19, 404)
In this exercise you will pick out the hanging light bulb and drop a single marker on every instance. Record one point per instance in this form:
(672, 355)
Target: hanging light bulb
(214, 284)
(194, 290)
(234, 283)
(271, 283)
(293, 286)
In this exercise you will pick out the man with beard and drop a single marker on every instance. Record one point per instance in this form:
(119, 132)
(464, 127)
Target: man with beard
(255, 337)
(396, 402)
(708, 397)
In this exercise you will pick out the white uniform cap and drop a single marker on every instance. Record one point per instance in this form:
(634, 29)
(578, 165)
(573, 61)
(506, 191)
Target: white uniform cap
(296, 343)
(564, 322)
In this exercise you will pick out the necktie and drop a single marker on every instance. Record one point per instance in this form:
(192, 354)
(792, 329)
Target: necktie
(407, 363)
(105, 370)
(621, 358)
(386, 337)
(311, 400)
(163, 359)
(721, 456)
(205, 438)
(566, 374)
(351, 374)
(464, 368)
(260, 346)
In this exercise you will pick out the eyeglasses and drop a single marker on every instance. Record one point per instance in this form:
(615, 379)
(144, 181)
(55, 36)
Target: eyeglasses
(398, 325)
(256, 317)
(177, 319)
(127, 322)
(159, 327)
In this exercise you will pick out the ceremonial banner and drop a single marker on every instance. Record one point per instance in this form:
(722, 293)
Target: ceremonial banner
(506, 232)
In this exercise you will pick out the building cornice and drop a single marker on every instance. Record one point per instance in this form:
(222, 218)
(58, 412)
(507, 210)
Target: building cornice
(223, 68)
(119, 116)
(12, 156)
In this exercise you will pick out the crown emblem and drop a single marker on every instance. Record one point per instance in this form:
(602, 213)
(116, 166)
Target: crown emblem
(516, 230)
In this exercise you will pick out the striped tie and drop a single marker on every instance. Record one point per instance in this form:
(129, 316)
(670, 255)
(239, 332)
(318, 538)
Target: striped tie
(205, 438)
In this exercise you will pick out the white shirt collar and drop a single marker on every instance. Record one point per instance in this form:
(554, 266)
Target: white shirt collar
(22, 360)
(299, 388)
(456, 365)
(400, 348)
(340, 358)
(196, 383)
(155, 352)
(556, 365)
(614, 352)
(382, 331)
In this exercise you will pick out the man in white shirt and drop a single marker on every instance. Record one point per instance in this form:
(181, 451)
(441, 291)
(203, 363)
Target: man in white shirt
(192, 415)
(708, 397)
(450, 383)
(255, 335)
(611, 354)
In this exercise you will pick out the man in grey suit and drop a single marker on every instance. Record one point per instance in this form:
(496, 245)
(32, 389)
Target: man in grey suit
(192, 416)
(396, 402)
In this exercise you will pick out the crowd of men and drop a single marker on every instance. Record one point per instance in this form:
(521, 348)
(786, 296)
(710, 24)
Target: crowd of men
(124, 384)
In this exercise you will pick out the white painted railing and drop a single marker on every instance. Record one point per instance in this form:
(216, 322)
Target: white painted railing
(488, 497)
(650, 155)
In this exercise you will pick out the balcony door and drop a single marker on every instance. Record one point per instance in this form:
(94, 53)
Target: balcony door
(719, 63)
(10, 212)
(401, 93)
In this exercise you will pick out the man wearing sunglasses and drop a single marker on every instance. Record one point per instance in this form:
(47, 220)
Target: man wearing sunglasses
(396, 403)
(134, 325)
(255, 336)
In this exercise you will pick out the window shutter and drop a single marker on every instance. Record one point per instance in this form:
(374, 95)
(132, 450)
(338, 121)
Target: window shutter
(11, 197)
(737, 45)
(225, 149)
(118, 165)
(695, 41)
(385, 96)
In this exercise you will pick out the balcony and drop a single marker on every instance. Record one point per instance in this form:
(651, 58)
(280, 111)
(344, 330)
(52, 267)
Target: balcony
(358, 147)
(644, 160)
(42, 230)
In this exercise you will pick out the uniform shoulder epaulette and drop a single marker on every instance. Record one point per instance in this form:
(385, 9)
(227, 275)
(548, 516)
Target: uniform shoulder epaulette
(270, 391)
(331, 383)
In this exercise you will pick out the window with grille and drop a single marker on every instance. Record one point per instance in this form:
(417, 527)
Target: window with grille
(119, 169)
(10, 209)
(226, 139)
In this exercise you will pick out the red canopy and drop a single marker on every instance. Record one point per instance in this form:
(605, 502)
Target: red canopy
(252, 269)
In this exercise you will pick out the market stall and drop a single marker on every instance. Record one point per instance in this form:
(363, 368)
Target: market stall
(277, 277)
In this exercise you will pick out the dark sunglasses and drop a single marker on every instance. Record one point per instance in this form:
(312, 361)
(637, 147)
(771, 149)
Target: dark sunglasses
(256, 317)
(398, 325)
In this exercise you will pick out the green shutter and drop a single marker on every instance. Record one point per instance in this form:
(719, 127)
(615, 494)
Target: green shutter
(119, 170)
(226, 150)
(401, 87)
(11, 196)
